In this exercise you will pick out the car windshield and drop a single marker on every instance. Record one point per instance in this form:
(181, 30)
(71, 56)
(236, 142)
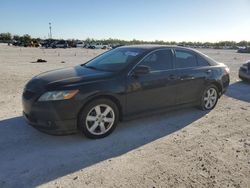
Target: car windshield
(114, 60)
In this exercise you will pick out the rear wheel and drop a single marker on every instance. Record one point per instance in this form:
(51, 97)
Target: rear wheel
(209, 98)
(99, 118)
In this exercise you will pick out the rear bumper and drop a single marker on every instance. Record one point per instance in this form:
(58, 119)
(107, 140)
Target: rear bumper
(224, 83)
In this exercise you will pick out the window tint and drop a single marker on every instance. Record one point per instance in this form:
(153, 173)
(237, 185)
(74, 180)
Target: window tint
(202, 61)
(185, 59)
(159, 60)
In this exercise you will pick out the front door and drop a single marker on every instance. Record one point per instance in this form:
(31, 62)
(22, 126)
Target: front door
(155, 89)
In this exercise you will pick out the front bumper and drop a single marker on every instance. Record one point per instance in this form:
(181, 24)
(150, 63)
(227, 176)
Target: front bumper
(52, 127)
(244, 75)
(54, 117)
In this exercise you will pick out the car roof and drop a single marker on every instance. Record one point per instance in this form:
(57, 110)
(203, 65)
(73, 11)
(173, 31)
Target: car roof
(155, 46)
(152, 47)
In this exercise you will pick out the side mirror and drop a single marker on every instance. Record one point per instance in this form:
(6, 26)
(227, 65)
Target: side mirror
(141, 70)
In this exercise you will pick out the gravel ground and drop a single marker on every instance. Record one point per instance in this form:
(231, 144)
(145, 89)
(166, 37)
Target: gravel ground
(197, 150)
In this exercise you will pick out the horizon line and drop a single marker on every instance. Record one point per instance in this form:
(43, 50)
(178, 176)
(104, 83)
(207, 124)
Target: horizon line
(128, 40)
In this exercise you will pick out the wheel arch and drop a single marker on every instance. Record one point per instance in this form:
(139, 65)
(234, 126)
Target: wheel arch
(219, 87)
(99, 96)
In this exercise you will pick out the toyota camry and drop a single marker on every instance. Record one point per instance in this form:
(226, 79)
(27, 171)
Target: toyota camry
(126, 81)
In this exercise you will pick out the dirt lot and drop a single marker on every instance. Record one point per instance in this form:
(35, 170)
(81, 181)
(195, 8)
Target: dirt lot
(183, 148)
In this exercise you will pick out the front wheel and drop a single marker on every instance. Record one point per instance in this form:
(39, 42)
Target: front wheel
(209, 98)
(99, 118)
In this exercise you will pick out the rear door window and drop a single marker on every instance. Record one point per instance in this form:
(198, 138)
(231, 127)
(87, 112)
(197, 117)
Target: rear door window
(201, 61)
(185, 59)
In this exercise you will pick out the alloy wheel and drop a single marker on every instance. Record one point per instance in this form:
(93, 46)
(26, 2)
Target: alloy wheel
(210, 98)
(100, 119)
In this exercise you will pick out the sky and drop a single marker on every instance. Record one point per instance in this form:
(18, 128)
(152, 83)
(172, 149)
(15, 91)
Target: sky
(149, 20)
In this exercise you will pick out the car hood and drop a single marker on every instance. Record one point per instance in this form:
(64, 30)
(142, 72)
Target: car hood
(65, 76)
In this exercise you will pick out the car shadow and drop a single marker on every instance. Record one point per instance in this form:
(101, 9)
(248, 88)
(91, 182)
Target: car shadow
(239, 90)
(30, 158)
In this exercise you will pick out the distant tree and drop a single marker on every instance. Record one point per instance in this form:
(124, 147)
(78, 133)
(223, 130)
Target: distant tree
(89, 40)
(243, 43)
(26, 37)
(37, 39)
(5, 37)
(26, 40)
(172, 43)
(159, 42)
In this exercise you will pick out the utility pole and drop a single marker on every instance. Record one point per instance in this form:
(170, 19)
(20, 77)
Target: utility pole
(50, 33)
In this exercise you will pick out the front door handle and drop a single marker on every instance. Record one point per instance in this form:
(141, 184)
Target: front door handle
(208, 71)
(172, 77)
(187, 77)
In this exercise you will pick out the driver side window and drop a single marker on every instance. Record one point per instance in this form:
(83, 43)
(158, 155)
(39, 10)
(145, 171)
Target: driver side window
(159, 60)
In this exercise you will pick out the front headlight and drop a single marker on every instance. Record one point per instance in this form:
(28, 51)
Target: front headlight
(58, 95)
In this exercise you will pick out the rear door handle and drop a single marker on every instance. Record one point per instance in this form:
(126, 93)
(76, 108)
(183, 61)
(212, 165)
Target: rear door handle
(208, 71)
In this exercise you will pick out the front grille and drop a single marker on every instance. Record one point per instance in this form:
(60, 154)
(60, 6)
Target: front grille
(28, 94)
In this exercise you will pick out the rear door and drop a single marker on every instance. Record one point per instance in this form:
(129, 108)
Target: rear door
(155, 89)
(193, 71)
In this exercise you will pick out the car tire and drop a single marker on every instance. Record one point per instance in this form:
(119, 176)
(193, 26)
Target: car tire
(98, 118)
(209, 98)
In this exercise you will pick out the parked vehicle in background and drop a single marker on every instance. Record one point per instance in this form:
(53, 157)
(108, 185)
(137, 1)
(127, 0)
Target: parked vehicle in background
(60, 44)
(98, 46)
(26, 44)
(87, 45)
(244, 72)
(123, 82)
(244, 50)
(108, 47)
(17, 43)
(80, 44)
(47, 43)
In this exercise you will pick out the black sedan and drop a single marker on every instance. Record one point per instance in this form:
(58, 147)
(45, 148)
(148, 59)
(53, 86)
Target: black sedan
(123, 82)
(244, 72)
